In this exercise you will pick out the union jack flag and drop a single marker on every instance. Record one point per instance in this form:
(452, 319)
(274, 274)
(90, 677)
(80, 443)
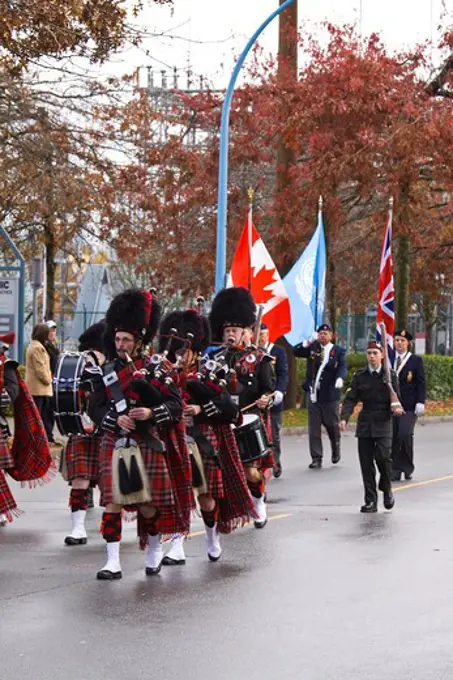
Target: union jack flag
(386, 293)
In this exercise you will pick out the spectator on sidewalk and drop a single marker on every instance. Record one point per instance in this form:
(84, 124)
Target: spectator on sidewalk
(54, 353)
(38, 376)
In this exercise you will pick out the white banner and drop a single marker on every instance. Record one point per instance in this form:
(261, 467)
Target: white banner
(9, 310)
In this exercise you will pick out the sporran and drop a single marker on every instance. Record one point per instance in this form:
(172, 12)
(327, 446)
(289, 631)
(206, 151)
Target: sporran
(129, 479)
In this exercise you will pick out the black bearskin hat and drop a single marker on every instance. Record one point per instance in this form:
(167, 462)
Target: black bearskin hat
(185, 323)
(91, 338)
(132, 311)
(231, 307)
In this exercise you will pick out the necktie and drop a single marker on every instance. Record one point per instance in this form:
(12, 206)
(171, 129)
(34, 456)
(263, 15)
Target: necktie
(398, 362)
(375, 373)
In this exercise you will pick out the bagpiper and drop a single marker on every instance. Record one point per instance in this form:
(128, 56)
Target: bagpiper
(209, 411)
(28, 459)
(81, 451)
(143, 458)
(251, 383)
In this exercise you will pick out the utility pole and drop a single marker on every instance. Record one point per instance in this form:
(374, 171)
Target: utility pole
(36, 282)
(288, 74)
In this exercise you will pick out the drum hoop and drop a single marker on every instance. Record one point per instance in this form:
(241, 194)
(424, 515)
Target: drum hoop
(76, 413)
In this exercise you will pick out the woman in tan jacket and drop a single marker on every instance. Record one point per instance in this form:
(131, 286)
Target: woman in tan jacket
(38, 376)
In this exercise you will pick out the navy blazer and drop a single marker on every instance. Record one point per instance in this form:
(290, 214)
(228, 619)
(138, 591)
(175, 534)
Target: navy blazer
(412, 382)
(336, 367)
(281, 372)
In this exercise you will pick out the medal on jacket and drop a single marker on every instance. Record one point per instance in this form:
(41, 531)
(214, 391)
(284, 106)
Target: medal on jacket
(410, 377)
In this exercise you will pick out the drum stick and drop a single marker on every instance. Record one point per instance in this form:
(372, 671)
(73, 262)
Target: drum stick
(254, 403)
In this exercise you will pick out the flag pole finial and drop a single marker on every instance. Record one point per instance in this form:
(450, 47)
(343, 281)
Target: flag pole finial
(320, 202)
(251, 194)
(391, 202)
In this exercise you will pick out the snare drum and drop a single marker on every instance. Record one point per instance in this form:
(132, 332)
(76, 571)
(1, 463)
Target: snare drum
(68, 398)
(251, 438)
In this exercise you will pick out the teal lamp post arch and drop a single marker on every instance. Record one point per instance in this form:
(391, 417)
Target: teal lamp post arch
(222, 199)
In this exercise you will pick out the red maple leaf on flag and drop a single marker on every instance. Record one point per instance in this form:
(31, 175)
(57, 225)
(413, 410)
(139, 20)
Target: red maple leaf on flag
(257, 271)
(261, 288)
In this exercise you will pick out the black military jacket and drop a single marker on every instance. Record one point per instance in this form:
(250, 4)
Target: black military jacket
(375, 418)
(252, 379)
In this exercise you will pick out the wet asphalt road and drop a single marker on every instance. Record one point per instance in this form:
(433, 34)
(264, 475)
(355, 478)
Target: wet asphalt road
(322, 593)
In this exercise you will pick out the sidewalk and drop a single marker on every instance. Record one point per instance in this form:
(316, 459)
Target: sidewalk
(424, 420)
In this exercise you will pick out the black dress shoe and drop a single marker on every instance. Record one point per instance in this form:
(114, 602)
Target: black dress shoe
(106, 575)
(389, 500)
(369, 507)
(408, 478)
(153, 571)
(396, 477)
(315, 464)
(211, 558)
(70, 540)
(169, 561)
(336, 457)
(258, 525)
(277, 471)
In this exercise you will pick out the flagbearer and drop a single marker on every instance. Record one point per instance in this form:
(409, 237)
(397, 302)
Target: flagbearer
(412, 383)
(374, 425)
(326, 371)
(281, 374)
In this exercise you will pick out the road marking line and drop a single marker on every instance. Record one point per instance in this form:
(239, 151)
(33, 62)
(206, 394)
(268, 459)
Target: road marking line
(282, 516)
(427, 481)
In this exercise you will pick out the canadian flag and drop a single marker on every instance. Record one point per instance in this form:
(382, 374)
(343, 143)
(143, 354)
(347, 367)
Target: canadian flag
(253, 268)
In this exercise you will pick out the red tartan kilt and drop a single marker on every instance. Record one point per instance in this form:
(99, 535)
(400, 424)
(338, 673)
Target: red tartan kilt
(6, 456)
(213, 474)
(82, 457)
(268, 460)
(212, 469)
(160, 481)
(7, 502)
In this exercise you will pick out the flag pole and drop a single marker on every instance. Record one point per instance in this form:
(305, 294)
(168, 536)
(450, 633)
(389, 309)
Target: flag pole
(251, 194)
(320, 203)
(390, 222)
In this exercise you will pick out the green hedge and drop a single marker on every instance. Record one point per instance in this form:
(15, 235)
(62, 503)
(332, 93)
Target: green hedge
(439, 374)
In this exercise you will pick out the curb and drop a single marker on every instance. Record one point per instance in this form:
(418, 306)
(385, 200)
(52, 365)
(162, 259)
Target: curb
(423, 421)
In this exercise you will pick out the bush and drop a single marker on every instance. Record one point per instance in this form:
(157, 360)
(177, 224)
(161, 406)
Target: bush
(439, 374)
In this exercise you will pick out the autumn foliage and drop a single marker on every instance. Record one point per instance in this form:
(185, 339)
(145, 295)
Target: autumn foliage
(359, 125)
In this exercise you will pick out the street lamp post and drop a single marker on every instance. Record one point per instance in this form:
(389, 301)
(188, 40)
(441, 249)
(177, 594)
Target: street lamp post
(222, 200)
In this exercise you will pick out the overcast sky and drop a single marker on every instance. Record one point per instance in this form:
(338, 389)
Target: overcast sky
(228, 24)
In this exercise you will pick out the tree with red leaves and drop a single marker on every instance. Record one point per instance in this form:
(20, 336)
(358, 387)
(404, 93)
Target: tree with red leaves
(360, 126)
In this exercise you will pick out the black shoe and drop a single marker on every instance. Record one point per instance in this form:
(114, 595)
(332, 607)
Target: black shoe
(259, 525)
(369, 507)
(389, 500)
(211, 558)
(106, 575)
(336, 457)
(277, 471)
(396, 477)
(70, 540)
(153, 571)
(169, 561)
(315, 465)
(408, 478)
